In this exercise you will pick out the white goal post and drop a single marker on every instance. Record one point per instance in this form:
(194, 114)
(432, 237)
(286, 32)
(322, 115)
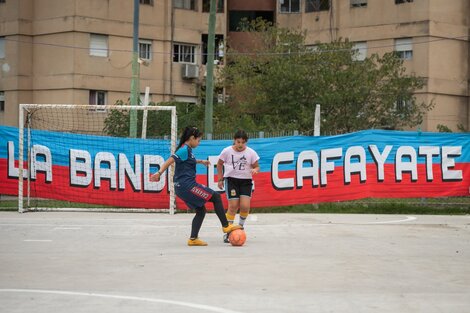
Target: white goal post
(87, 148)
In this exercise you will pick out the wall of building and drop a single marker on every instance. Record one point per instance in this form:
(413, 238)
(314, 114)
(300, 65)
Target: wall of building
(48, 61)
(440, 45)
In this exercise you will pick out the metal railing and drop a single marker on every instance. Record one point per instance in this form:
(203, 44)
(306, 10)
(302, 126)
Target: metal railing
(254, 135)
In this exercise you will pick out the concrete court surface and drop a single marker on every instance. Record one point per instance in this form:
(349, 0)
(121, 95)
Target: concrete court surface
(104, 262)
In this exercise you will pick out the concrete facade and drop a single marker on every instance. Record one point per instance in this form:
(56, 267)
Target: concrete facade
(48, 57)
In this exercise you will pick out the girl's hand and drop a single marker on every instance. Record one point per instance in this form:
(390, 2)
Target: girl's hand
(155, 177)
(254, 171)
(205, 162)
(220, 184)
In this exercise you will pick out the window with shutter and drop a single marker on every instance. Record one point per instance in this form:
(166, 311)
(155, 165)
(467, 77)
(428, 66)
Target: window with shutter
(99, 45)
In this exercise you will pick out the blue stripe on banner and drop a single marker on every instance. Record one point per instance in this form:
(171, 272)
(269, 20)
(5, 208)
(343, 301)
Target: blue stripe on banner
(61, 143)
(267, 148)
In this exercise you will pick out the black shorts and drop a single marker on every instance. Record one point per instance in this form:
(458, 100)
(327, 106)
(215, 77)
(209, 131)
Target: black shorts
(195, 196)
(236, 187)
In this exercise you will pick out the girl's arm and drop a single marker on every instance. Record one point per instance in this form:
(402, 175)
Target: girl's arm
(220, 174)
(255, 168)
(205, 162)
(157, 175)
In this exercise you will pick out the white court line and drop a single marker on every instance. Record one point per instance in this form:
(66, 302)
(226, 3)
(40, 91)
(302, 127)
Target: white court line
(89, 225)
(67, 228)
(407, 219)
(100, 295)
(20, 219)
(37, 240)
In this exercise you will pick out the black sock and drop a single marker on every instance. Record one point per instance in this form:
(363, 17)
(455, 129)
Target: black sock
(219, 209)
(197, 221)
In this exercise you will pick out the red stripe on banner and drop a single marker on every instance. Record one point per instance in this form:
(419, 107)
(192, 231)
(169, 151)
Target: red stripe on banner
(60, 189)
(336, 190)
(265, 194)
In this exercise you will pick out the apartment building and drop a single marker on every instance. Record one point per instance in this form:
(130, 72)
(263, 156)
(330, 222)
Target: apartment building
(79, 51)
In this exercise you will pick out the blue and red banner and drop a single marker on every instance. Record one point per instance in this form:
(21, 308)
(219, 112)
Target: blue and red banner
(294, 170)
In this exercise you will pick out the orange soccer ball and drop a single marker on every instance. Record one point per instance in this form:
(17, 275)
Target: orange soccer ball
(237, 237)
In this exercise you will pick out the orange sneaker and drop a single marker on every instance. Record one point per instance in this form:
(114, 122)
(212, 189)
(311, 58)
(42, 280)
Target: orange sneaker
(196, 242)
(230, 228)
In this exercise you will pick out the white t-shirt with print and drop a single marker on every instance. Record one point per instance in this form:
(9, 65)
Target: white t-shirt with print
(238, 164)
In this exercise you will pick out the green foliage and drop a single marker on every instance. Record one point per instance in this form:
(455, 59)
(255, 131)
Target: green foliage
(278, 85)
(462, 128)
(158, 122)
(443, 128)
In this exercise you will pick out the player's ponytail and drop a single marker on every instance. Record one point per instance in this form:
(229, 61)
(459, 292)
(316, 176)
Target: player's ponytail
(187, 133)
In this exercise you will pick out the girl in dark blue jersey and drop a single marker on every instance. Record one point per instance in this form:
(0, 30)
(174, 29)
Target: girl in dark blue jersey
(187, 189)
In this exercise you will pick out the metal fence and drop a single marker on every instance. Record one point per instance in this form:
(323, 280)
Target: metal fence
(267, 134)
(254, 135)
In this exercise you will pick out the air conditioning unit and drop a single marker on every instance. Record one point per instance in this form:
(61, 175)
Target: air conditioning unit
(190, 71)
(358, 3)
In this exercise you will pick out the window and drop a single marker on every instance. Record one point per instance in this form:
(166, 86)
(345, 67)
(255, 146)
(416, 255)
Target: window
(97, 97)
(317, 5)
(206, 6)
(185, 4)
(361, 51)
(145, 49)
(402, 1)
(99, 45)
(402, 105)
(237, 18)
(149, 2)
(404, 48)
(358, 3)
(218, 48)
(2, 101)
(184, 53)
(2, 47)
(290, 6)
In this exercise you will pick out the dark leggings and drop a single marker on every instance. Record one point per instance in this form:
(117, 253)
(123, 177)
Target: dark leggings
(201, 213)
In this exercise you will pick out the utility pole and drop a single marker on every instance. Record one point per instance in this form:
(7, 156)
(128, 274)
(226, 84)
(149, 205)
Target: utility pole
(135, 89)
(210, 71)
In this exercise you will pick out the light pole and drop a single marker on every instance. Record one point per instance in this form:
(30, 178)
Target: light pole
(135, 73)
(210, 71)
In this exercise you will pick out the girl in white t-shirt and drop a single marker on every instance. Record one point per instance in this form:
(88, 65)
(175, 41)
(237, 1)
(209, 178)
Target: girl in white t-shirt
(235, 168)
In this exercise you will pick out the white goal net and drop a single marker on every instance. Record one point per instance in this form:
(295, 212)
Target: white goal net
(82, 157)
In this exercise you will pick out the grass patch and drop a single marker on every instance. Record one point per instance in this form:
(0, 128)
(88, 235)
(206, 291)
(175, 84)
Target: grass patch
(13, 204)
(429, 206)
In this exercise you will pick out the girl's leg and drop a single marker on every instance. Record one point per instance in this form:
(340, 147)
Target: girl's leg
(231, 212)
(244, 208)
(233, 206)
(197, 221)
(219, 208)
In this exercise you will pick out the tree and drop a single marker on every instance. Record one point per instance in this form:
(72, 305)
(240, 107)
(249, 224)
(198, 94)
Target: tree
(280, 82)
(158, 122)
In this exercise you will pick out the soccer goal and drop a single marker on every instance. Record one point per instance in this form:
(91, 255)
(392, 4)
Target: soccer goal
(81, 157)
